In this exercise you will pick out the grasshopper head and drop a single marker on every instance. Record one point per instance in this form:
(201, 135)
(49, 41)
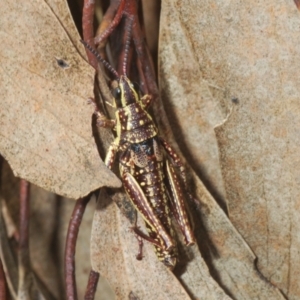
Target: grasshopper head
(125, 93)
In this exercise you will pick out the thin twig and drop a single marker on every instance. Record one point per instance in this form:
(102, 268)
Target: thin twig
(2, 274)
(70, 250)
(24, 224)
(3, 290)
(131, 9)
(87, 29)
(92, 285)
(108, 25)
(125, 56)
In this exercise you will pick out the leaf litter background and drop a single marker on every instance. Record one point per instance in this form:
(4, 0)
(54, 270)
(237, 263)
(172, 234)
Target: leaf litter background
(208, 55)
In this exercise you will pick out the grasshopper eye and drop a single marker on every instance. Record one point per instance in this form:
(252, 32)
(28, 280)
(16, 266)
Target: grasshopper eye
(117, 95)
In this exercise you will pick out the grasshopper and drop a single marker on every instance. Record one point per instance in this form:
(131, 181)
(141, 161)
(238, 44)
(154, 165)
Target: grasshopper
(147, 166)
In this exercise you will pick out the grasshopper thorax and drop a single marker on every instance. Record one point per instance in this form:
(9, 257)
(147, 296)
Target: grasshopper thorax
(125, 93)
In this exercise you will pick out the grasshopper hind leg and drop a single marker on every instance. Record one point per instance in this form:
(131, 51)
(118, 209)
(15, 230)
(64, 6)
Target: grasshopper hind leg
(158, 235)
(167, 256)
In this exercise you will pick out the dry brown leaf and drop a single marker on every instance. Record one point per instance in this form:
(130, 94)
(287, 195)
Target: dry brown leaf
(259, 142)
(44, 245)
(209, 53)
(113, 250)
(188, 98)
(196, 87)
(45, 123)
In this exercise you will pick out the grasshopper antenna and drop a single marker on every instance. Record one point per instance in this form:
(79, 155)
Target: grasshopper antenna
(100, 59)
(127, 44)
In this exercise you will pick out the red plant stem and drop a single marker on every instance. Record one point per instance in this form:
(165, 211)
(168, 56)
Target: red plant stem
(108, 25)
(143, 84)
(141, 50)
(297, 2)
(24, 224)
(74, 224)
(3, 290)
(92, 285)
(87, 29)
(1, 164)
(121, 58)
(2, 274)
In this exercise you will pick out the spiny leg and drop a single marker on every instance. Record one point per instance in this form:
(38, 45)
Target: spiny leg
(178, 204)
(178, 191)
(111, 155)
(102, 120)
(144, 236)
(176, 161)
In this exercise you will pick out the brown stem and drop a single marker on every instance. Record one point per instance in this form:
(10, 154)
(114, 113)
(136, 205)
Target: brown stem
(1, 164)
(87, 29)
(92, 285)
(121, 57)
(24, 224)
(297, 2)
(139, 41)
(3, 290)
(74, 224)
(109, 22)
(143, 84)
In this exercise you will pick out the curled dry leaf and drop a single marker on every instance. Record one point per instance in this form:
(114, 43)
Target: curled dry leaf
(45, 122)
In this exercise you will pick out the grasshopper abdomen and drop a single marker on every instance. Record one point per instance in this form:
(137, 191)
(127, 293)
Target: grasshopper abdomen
(144, 162)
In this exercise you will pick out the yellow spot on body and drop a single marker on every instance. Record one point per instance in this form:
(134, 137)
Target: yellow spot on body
(136, 109)
(142, 122)
(142, 183)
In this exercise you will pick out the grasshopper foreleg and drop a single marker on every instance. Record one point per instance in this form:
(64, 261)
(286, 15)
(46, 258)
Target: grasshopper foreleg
(102, 120)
